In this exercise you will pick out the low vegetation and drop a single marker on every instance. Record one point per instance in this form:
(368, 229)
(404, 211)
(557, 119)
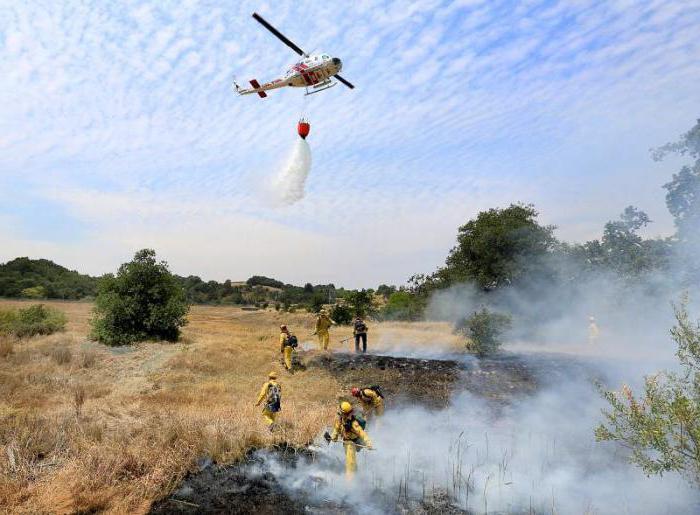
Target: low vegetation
(31, 321)
(483, 331)
(661, 426)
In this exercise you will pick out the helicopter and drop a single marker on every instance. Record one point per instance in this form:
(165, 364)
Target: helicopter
(314, 72)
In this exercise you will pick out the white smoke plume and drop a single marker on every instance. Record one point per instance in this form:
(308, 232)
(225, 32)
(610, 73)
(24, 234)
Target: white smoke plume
(288, 184)
(535, 454)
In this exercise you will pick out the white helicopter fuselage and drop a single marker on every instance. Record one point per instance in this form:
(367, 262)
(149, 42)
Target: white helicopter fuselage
(313, 71)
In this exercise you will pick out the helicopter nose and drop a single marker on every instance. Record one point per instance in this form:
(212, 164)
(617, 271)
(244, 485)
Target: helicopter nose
(338, 63)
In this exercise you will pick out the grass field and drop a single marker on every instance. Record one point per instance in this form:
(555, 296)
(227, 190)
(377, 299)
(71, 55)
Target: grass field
(86, 427)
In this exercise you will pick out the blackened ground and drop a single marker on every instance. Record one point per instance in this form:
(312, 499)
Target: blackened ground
(425, 381)
(431, 382)
(241, 488)
(248, 487)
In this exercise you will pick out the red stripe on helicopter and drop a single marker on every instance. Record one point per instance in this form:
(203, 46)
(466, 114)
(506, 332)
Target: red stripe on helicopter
(256, 85)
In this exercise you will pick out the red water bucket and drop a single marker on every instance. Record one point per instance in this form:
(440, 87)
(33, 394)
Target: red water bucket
(303, 128)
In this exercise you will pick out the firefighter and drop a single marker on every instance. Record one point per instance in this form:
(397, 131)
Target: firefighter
(271, 393)
(323, 324)
(593, 331)
(371, 399)
(359, 331)
(350, 428)
(288, 342)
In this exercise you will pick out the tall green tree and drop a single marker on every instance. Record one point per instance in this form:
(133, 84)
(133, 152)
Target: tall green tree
(360, 302)
(497, 248)
(143, 301)
(683, 199)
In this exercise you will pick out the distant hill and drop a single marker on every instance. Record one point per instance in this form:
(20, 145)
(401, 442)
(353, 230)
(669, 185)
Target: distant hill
(41, 278)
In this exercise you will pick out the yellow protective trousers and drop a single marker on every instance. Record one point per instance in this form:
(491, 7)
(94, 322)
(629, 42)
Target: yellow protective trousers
(350, 458)
(288, 357)
(269, 416)
(324, 339)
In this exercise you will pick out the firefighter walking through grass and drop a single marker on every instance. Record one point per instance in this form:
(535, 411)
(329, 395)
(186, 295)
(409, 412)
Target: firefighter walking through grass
(288, 343)
(323, 324)
(371, 399)
(271, 393)
(350, 428)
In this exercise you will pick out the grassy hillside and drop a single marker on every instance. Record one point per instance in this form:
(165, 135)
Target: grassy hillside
(41, 278)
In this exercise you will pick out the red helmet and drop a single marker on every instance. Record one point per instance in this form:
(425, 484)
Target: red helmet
(355, 392)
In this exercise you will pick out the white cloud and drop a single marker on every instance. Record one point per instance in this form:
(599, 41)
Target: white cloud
(126, 117)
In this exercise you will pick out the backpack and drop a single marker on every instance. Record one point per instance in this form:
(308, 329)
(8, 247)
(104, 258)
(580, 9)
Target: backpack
(377, 389)
(360, 327)
(292, 341)
(274, 397)
(360, 420)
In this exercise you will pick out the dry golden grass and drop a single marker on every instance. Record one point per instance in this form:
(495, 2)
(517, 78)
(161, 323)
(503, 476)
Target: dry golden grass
(84, 427)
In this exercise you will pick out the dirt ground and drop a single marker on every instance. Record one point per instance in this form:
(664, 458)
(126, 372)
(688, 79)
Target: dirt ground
(87, 428)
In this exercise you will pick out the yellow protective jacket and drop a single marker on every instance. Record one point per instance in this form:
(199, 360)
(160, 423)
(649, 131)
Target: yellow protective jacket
(371, 398)
(349, 431)
(323, 323)
(283, 338)
(264, 390)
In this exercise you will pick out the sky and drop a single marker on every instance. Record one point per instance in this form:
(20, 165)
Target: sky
(119, 128)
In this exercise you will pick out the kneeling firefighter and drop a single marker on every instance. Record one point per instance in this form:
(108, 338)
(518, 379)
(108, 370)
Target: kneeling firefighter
(351, 428)
(288, 342)
(271, 392)
(372, 400)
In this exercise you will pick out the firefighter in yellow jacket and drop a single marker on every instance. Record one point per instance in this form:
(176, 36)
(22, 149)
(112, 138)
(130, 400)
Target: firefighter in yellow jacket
(288, 343)
(271, 393)
(350, 429)
(323, 324)
(371, 399)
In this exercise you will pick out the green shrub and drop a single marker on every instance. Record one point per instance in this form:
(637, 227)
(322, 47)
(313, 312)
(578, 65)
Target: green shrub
(317, 302)
(360, 302)
(483, 330)
(34, 320)
(660, 426)
(402, 305)
(143, 301)
(341, 314)
(8, 318)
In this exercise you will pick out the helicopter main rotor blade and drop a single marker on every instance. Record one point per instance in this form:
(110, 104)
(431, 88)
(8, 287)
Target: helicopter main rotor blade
(277, 33)
(347, 83)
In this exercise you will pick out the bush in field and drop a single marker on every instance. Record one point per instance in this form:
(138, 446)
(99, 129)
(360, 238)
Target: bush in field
(341, 314)
(143, 301)
(317, 302)
(402, 305)
(483, 331)
(34, 320)
(360, 303)
(8, 317)
(661, 427)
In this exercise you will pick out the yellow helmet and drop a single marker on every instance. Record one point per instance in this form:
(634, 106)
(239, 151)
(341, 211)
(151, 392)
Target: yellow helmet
(272, 375)
(345, 407)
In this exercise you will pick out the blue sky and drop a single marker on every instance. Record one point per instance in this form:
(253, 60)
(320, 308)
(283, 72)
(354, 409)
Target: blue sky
(119, 129)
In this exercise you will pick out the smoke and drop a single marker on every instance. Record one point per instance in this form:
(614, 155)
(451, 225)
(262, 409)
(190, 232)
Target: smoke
(288, 184)
(536, 453)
